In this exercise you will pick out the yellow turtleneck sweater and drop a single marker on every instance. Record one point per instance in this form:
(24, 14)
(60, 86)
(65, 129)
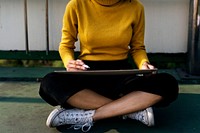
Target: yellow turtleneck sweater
(107, 29)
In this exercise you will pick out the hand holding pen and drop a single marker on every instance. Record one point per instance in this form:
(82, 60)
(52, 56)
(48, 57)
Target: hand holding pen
(77, 65)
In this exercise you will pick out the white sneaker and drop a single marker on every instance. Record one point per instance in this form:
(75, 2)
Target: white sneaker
(145, 116)
(79, 119)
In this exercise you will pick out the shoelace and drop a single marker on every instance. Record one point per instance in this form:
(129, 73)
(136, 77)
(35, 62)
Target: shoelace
(79, 119)
(85, 127)
(139, 116)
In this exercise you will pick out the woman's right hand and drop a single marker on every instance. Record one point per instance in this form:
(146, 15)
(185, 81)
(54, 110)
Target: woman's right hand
(76, 65)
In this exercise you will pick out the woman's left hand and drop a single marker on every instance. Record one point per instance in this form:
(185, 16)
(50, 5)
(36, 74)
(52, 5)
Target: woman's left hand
(146, 65)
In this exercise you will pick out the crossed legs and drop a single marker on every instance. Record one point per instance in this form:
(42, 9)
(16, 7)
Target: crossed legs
(93, 106)
(106, 108)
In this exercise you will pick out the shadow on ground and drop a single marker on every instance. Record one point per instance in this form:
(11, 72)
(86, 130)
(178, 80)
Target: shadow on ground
(180, 117)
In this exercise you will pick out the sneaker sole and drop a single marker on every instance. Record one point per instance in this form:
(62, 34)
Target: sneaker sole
(52, 115)
(150, 117)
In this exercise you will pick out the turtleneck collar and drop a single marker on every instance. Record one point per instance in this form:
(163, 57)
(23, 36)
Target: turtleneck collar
(107, 2)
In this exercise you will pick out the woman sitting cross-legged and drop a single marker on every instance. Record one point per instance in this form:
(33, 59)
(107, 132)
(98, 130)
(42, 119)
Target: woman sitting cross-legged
(109, 30)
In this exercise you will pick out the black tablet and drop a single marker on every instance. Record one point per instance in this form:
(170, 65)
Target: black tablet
(111, 72)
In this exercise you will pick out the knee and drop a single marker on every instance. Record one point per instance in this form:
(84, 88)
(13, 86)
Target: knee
(168, 80)
(48, 81)
(170, 85)
(47, 88)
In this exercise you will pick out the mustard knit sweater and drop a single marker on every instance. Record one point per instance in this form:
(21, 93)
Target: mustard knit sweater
(107, 30)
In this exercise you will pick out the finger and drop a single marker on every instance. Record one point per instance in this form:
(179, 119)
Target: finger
(72, 69)
(80, 67)
(71, 66)
(151, 67)
(75, 66)
(144, 68)
(79, 62)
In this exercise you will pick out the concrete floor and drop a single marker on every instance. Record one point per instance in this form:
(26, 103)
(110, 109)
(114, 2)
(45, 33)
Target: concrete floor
(22, 110)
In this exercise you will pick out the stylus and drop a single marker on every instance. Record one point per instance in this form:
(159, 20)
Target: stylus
(86, 66)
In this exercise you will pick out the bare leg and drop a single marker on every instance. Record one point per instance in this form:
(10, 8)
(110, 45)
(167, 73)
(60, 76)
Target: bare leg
(106, 108)
(132, 102)
(87, 99)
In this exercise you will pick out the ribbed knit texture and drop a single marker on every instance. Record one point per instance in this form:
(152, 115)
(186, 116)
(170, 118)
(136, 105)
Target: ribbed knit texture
(105, 32)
